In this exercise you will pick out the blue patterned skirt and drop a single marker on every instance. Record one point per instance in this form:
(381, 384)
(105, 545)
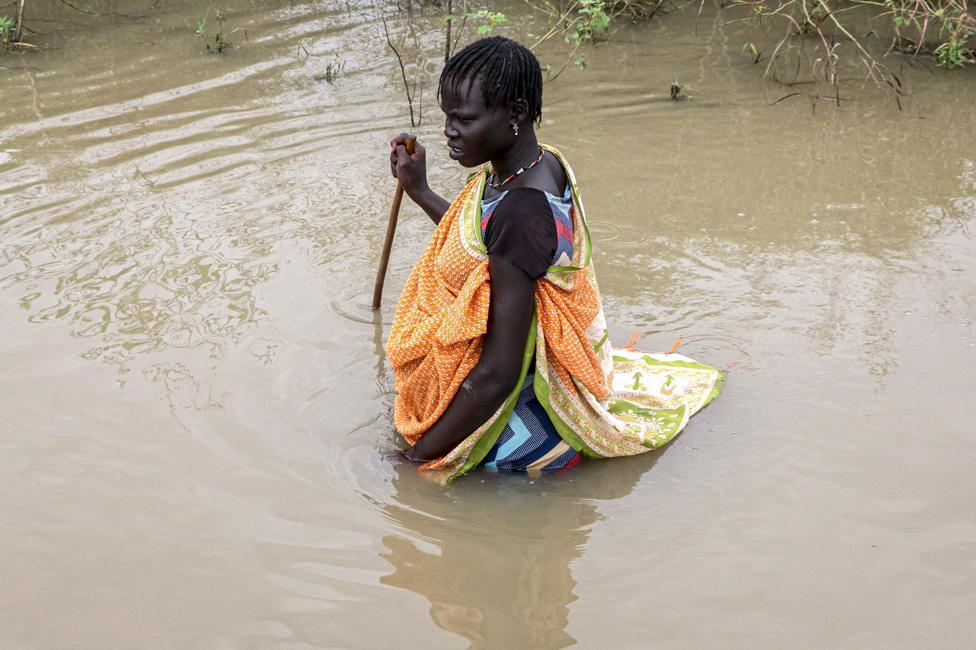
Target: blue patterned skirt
(530, 442)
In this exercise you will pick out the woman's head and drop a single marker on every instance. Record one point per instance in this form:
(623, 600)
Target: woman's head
(508, 73)
(489, 91)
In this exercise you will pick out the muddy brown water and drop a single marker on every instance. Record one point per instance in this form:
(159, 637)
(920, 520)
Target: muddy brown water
(195, 440)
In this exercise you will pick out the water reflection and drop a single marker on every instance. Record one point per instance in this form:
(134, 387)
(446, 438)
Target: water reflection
(500, 571)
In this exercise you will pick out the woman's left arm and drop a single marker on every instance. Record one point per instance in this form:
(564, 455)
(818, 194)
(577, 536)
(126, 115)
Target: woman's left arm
(497, 371)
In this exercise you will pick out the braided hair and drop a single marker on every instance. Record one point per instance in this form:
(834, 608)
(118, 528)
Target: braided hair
(508, 72)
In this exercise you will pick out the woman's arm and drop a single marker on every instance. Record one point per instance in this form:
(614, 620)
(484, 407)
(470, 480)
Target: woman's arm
(411, 171)
(497, 371)
(430, 202)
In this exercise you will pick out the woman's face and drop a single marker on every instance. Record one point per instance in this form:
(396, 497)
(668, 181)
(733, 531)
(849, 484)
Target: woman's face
(474, 132)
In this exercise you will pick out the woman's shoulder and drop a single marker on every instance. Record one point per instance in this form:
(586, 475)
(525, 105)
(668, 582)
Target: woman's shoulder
(552, 178)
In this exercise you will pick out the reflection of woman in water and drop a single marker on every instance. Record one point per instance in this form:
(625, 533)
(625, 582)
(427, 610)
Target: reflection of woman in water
(502, 577)
(499, 343)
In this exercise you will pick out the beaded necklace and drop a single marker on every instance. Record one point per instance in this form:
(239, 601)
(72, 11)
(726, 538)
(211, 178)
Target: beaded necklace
(495, 185)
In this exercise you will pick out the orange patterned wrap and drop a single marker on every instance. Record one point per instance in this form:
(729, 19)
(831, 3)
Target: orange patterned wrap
(564, 316)
(437, 328)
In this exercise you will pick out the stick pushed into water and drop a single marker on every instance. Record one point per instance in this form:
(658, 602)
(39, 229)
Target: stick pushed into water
(390, 231)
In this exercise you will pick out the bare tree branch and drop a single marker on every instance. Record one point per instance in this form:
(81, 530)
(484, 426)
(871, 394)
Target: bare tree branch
(19, 28)
(403, 68)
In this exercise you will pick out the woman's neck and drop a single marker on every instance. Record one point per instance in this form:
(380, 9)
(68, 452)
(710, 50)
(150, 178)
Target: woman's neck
(525, 150)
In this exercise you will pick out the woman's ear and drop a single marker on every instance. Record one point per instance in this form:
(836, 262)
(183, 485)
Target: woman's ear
(520, 111)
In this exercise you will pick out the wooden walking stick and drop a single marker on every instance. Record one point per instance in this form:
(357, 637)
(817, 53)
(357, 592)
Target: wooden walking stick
(390, 230)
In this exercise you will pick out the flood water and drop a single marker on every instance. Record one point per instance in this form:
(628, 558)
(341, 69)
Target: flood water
(196, 447)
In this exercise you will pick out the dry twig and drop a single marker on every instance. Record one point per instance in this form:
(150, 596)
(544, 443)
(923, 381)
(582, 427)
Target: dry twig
(403, 73)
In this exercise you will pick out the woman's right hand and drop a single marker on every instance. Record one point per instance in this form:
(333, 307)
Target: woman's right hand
(409, 169)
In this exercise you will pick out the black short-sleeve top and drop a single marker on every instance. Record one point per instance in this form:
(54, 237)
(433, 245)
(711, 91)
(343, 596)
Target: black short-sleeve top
(530, 228)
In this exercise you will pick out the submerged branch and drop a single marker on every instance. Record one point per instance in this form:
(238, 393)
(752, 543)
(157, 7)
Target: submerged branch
(784, 97)
(110, 14)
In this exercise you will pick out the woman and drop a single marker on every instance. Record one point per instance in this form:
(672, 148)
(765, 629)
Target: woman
(499, 345)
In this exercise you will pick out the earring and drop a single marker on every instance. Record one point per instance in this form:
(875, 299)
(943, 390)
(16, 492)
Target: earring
(515, 128)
